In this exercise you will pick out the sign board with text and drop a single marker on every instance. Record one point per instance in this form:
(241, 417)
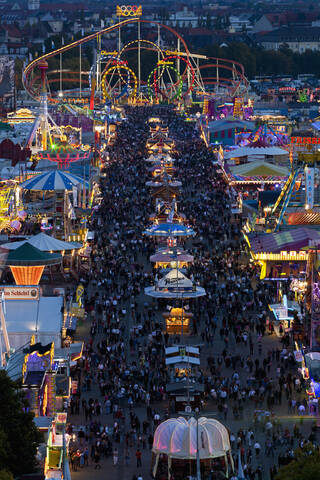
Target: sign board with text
(21, 293)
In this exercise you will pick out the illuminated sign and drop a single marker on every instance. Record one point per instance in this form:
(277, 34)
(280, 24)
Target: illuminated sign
(170, 52)
(309, 176)
(164, 62)
(105, 53)
(21, 293)
(305, 140)
(119, 62)
(129, 11)
(61, 417)
(284, 255)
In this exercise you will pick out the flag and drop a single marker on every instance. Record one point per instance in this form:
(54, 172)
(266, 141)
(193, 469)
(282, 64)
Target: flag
(30, 57)
(52, 44)
(62, 41)
(43, 48)
(82, 31)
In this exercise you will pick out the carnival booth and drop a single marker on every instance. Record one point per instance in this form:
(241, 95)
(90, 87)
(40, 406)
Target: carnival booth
(282, 255)
(184, 386)
(165, 157)
(175, 447)
(177, 321)
(174, 257)
(45, 243)
(175, 285)
(270, 154)
(27, 263)
(167, 211)
(162, 190)
(161, 167)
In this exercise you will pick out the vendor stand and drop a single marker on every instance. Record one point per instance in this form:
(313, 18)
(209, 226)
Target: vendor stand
(177, 321)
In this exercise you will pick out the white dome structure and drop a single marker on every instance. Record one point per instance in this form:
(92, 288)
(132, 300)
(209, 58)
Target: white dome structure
(177, 438)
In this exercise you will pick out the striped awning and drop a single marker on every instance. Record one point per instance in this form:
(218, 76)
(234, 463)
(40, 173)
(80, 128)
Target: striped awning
(55, 180)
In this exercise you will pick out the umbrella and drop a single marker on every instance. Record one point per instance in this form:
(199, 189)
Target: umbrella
(55, 180)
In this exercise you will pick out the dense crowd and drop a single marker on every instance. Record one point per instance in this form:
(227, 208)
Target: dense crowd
(122, 374)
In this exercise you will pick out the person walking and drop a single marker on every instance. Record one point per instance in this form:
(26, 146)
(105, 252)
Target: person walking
(115, 456)
(257, 448)
(138, 457)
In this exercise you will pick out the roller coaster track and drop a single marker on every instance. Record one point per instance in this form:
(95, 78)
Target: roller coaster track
(235, 67)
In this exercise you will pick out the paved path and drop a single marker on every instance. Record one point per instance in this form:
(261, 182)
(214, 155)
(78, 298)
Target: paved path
(127, 468)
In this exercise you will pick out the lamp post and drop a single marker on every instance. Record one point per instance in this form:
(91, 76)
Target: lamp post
(198, 454)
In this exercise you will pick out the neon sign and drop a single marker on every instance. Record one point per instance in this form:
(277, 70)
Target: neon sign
(305, 140)
(129, 11)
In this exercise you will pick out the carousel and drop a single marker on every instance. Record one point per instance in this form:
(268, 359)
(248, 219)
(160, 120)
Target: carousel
(54, 195)
(177, 442)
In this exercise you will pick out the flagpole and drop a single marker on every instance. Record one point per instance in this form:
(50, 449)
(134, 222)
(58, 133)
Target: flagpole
(80, 66)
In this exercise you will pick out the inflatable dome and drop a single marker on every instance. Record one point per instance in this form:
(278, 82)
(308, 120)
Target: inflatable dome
(177, 438)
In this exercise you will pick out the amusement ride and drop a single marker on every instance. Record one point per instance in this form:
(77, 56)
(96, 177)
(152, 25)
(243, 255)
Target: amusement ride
(119, 76)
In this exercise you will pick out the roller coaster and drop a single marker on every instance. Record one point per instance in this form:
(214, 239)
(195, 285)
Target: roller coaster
(119, 76)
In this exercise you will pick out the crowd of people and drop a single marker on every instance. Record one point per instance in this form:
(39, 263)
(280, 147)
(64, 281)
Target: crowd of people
(250, 375)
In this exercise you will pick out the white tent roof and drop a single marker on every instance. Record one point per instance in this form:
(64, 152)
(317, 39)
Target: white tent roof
(175, 278)
(175, 285)
(27, 317)
(253, 168)
(250, 151)
(45, 243)
(177, 438)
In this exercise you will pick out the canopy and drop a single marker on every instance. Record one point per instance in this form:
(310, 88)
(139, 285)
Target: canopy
(42, 317)
(252, 151)
(161, 157)
(168, 255)
(55, 180)
(288, 240)
(45, 243)
(177, 438)
(169, 230)
(28, 255)
(259, 168)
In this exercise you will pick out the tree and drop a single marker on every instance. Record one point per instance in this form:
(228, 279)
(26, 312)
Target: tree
(19, 437)
(5, 475)
(306, 465)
